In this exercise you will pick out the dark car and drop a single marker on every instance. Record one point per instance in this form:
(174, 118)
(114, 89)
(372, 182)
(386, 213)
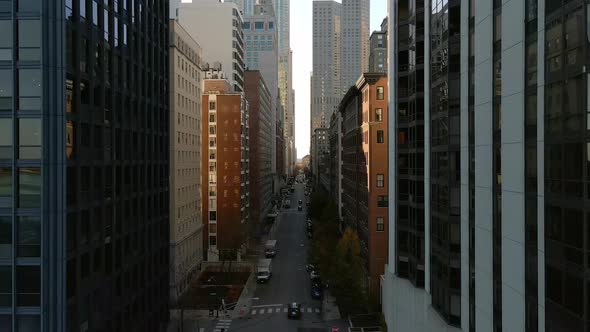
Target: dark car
(309, 235)
(316, 292)
(294, 311)
(300, 202)
(300, 208)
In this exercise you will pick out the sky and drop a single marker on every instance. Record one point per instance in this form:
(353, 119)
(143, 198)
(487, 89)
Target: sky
(301, 44)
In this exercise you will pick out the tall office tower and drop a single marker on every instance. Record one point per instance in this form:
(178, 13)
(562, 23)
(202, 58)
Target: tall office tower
(355, 30)
(282, 13)
(325, 85)
(246, 7)
(226, 170)
(217, 27)
(262, 55)
(505, 245)
(262, 135)
(84, 166)
(378, 50)
(186, 223)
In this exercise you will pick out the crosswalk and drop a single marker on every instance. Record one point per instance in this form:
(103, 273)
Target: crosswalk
(222, 325)
(281, 310)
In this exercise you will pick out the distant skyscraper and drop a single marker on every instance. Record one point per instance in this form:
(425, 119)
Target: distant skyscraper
(262, 54)
(217, 27)
(84, 164)
(326, 79)
(355, 29)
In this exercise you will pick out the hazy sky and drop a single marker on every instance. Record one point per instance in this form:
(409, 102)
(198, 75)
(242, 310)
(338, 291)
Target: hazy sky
(301, 43)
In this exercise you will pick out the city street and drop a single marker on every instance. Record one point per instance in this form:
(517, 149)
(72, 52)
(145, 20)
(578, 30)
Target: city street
(290, 282)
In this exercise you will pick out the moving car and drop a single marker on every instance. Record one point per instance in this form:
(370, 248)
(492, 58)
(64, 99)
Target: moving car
(264, 270)
(316, 292)
(270, 249)
(300, 202)
(294, 311)
(300, 208)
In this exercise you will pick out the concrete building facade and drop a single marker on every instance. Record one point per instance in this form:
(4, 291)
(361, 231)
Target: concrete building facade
(225, 131)
(378, 51)
(226, 45)
(261, 141)
(504, 150)
(319, 148)
(186, 222)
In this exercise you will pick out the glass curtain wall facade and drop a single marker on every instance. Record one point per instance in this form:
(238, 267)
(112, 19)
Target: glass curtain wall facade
(567, 166)
(84, 165)
(445, 242)
(410, 131)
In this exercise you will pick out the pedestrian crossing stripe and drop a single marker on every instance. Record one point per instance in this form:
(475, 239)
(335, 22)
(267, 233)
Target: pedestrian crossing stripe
(263, 311)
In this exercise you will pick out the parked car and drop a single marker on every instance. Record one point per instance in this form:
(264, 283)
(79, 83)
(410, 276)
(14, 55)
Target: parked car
(314, 275)
(300, 208)
(309, 235)
(309, 267)
(294, 311)
(316, 292)
(300, 202)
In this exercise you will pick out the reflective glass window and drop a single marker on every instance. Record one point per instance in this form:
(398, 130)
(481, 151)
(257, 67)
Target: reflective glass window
(29, 237)
(5, 138)
(29, 188)
(29, 87)
(5, 89)
(28, 323)
(29, 40)
(28, 5)
(5, 287)
(29, 137)
(5, 241)
(5, 39)
(28, 286)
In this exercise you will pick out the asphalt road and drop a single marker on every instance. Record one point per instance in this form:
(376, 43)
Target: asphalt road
(289, 283)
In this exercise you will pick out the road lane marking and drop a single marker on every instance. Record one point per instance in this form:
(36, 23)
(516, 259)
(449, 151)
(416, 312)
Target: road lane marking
(254, 312)
(285, 310)
(261, 311)
(267, 305)
(317, 310)
(308, 309)
(278, 310)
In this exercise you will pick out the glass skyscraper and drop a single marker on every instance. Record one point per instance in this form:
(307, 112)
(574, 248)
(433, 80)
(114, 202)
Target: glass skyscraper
(83, 165)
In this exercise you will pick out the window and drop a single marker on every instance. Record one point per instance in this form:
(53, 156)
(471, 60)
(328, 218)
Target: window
(29, 89)
(29, 188)
(382, 201)
(5, 138)
(29, 40)
(212, 240)
(380, 136)
(5, 40)
(5, 7)
(29, 237)
(380, 180)
(258, 26)
(5, 239)
(5, 286)
(246, 26)
(28, 5)
(380, 224)
(212, 215)
(380, 94)
(379, 115)
(271, 26)
(28, 323)
(211, 105)
(28, 286)
(29, 138)
(5, 88)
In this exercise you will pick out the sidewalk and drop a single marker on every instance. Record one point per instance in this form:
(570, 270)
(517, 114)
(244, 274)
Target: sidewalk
(330, 310)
